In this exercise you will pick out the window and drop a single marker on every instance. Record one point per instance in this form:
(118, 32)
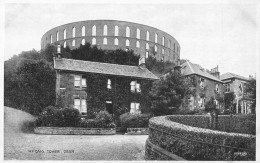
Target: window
(105, 30)
(227, 87)
(147, 36)
(162, 59)
(94, 41)
(73, 42)
(169, 43)
(162, 51)
(109, 85)
(73, 31)
(135, 87)
(94, 30)
(138, 33)
(57, 36)
(241, 87)
(77, 81)
(116, 41)
(135, 108)
(201, 101)
(147, 46)
(217, 88)
(105, 41)
(83, 41)
(83, 82)
(137, 44)
(127, 33)
(116, 30)
(202, 83)
(51, 39)
(64, 34)
(155, 48)
(83, 31)
(127, 43)
(81, 105)
(146, 54)
(156, 38)
(163, 41)
(80, 82)
(64, 44)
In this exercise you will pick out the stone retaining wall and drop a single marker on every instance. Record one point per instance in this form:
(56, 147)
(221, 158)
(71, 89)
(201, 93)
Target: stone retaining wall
(137, 131)
(74, 131)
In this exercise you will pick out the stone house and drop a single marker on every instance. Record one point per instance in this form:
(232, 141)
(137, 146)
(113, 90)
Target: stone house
(236, 83)
(75, 85)
(205, 84)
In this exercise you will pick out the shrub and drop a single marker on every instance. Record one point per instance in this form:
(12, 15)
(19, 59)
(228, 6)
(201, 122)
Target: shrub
(129, 120)
(58, 117)
(104, 115)
(96, 123)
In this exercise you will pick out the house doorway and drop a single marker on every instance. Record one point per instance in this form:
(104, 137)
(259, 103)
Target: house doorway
(109, 107)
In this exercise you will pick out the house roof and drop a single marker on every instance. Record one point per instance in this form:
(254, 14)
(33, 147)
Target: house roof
(189, 68)
(231, 75)
(103, 68)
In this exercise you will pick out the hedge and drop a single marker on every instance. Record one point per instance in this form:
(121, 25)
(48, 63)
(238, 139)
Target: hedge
(193, 143)
(129, 120)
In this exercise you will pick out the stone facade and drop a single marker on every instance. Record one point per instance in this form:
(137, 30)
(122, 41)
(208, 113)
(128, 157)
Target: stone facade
(236, 84)
(165, 46)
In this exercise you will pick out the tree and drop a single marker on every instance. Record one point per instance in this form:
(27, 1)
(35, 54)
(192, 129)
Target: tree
(168, 92)
(250, 89)
(229, 100)
(210, 105)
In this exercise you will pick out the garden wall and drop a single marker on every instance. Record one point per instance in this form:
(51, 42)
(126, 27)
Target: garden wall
(74, 131)
(193, 143)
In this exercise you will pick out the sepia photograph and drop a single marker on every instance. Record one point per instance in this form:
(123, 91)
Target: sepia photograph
(130, 80)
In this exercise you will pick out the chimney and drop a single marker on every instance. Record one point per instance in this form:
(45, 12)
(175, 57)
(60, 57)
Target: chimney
(215, 72)
(142, 63)
(178, 67)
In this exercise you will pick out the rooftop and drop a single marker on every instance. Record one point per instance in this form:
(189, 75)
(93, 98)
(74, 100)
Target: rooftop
(189, 68)
(103, 68)
(231, 75)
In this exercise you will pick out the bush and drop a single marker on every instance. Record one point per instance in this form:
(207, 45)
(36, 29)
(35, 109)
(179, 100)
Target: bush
(129, 120)
(58, 117)
(96, 123)
(104, 115)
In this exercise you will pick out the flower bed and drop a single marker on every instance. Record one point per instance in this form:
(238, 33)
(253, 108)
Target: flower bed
(74, 131)
(193, 143)
(137, 131)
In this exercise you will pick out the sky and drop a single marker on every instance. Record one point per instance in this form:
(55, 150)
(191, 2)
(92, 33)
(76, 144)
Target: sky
(210, 34)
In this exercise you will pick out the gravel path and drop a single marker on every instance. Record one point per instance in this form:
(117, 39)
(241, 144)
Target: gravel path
(20, 145)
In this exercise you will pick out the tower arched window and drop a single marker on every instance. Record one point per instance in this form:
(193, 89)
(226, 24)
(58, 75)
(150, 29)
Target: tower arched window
(73, 31)
(147, 35)
(73, 42)
(127, 43)
(64, 34)
(116, 41)
(137, 44)
(57, 36)
(147, 46)
(83, 31)
(105, 30)
(105, 41)
(64, 44)
(163, 41)
(156, 38)
(83, 41)
(116, 30)
(155, 48)
(138, 33)
(127, 33)
(51, 39)
(94, 41)
(94, 30)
